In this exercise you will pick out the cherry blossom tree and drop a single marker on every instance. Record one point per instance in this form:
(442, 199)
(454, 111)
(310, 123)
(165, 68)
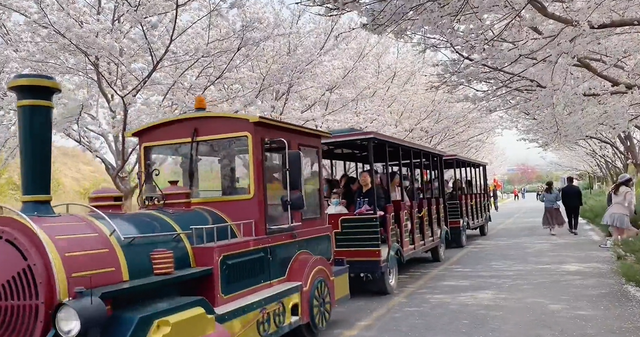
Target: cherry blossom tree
(560, 71)
(8, 137)
(125, 64)
(120, 62)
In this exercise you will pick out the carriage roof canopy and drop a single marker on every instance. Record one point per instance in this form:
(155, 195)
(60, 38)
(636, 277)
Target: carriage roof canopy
(351, 145)
(453, 159)
(250, 118)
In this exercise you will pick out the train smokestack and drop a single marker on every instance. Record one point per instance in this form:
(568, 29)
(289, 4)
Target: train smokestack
(35, 122)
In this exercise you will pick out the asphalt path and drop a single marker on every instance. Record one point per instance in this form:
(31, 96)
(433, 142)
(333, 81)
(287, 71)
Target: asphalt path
(517, 281)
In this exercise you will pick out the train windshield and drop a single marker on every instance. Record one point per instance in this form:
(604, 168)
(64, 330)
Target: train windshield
(212, 169)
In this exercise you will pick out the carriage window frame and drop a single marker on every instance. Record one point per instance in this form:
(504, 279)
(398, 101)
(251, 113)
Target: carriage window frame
(145, 149)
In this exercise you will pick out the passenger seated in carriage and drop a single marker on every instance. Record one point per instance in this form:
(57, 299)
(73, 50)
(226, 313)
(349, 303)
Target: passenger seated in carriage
(366, 196)
(456, 191)
(348, 192)
(335, 204)
(396, 191)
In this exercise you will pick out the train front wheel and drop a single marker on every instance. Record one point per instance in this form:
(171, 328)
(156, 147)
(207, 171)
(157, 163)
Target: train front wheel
(320, 307)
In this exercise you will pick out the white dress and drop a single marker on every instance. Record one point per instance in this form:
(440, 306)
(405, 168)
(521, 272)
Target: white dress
(622, 207)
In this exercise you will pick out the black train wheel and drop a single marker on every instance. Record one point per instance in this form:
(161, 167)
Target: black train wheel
(279, 315)
(263, 324)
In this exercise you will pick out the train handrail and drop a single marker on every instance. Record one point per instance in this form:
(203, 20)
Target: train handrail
(93, 209)
(215, 232)
(25, 219)
(115, 230)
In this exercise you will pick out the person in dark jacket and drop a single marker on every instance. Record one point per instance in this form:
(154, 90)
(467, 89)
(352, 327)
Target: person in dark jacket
(366, 194)
(572, 201)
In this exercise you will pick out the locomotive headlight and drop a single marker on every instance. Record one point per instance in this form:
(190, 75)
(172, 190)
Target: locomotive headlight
(68, 321)
(81, 317)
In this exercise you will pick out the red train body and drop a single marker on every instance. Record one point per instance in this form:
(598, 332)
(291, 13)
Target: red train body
(184, 265)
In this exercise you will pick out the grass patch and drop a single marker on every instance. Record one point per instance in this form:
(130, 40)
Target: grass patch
(628, 251)
(75, 174)
(630, 271)
(595, 205)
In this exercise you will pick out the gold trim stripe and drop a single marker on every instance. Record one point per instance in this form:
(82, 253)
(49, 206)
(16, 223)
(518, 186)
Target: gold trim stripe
(108, 195)
(163, 266)
(249, 118)
(62, 224)
(60, 274)
(116, 246)
(168, 259)
(76, 236)
(87, 252)
(93, 272)
(41, 82)
(182, 236)
(34, 102)
(107, 203)
(43, 198)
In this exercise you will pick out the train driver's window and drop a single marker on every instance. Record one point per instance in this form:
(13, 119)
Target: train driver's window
(219, 167)
(273, 166)
(311, 178)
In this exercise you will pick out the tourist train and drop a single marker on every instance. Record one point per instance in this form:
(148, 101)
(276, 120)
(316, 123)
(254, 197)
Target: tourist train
(231, 237)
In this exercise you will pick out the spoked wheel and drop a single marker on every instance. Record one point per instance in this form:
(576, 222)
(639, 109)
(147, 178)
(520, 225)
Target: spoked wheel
(320, 305)
(484, 230)
(387, 281)
(437, 253)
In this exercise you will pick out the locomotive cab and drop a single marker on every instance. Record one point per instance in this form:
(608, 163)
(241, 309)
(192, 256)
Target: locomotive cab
(258, 179)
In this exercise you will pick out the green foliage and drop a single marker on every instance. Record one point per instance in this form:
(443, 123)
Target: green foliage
(595, 205)
(630, 271)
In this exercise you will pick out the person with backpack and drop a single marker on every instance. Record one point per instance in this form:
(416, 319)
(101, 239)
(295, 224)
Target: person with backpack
(618, 215)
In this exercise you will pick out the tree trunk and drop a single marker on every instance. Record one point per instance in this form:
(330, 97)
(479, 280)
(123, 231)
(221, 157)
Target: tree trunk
(127, 188)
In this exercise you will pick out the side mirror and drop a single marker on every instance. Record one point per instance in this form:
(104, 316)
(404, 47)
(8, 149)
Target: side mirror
(295, 172)
(296, 202)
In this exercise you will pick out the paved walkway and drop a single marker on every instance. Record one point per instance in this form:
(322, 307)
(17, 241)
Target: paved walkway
(518, 281)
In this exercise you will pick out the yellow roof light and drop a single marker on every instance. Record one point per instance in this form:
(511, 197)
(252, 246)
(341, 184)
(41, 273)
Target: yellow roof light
(201, 103)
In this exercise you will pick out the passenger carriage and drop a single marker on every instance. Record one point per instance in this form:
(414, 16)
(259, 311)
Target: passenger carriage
(373, 245)
(230, 239)
(468, 208)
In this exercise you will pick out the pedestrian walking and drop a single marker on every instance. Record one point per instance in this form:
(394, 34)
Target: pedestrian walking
(552, 217)
(494, 196)
(572, 201)
(524, 192)
(618, 215)
(515, 194)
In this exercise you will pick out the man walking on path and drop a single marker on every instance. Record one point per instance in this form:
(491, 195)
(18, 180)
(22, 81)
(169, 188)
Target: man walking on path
(515, 194)
(524, 192)
(572, 200)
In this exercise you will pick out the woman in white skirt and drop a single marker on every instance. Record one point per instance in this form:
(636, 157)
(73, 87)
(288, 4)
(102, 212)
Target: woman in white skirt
(618, 215)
